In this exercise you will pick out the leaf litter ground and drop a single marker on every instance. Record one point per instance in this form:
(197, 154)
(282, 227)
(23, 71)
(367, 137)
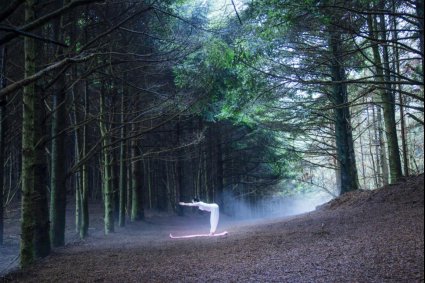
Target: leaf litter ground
(363, 236)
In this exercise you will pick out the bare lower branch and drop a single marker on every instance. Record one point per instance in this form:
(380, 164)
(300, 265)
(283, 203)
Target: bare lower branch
(26, 81)
(28, 34)
(44, 19)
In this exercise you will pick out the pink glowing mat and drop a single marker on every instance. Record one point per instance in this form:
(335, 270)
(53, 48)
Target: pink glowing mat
(199, 235)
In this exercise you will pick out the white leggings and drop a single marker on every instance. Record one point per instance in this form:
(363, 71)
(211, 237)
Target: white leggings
(215, 214)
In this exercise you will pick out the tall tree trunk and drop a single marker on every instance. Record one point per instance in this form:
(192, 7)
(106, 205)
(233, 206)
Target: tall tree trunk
(58, 175)
(179, 173)
(108, 193)
(388, 105)
(3, 102)
(210, 162)
(129, 180)
(35, 239)
(343, 129)
(420, 14)
(381, 154)
(137, 210)
(115, 182)
(58, 154)
(373, 148)
(149, 178)
(363, 162)
(220, 170)
(76, 119)
(84, 225)
(78, 186)
(122, 169)
(40, 199)
(396, 55)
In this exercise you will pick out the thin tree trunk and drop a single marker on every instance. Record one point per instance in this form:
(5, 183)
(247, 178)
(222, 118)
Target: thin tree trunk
(115, 182)
(75, 119)
(129, 181)
(372, 144)
(205, 174)
(84, 226)
(420, 14)
(211, 151)
(169, 174)
(363, 162)
(108, 193)
(389, 109)
(122, 169)
(382, 152)
(84, 197)
(58, 177)
(179, 173)
(3, 53)
(401, 100)
(220, 170)
(40, 199)
(27, 223)
(147, 169)
(78, 186)
(137, 211)
(58, 154)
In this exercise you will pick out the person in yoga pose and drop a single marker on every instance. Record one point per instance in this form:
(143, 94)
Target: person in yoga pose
(210, 207)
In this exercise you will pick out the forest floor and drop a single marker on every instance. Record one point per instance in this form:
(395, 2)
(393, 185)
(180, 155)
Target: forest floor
(364, 236)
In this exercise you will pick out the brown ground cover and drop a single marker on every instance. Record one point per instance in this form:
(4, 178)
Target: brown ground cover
(364, 236)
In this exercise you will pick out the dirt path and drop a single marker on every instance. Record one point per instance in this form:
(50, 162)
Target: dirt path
(373, 236)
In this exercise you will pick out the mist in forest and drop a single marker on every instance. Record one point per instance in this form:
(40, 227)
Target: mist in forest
(273, 206)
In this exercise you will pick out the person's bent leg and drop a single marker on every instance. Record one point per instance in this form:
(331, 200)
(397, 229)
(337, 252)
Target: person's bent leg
(215, 214)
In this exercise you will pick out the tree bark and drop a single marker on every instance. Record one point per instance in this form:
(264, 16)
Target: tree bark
(137, 209)
(420, 14)
(108, 193)
(122, 169)
(58, 174)
(85, 173)
(179, 173)
(343, 129)
(382, 154)
(58, 154)
(396, 60)
(389, 108)
(42, 240)
(27, 223)
(129, 184)
(3, 53)
(220, 170)
(388, 104)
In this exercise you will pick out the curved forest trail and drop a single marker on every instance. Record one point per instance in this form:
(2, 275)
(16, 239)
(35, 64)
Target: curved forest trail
(365, 236)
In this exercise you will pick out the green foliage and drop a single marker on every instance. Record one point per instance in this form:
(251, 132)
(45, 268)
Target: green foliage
(233, 92)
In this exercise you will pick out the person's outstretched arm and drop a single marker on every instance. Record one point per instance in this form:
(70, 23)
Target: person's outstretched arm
(188, 203)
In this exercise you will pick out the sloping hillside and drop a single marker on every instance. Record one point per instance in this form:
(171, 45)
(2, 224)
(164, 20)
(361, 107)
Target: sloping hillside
(364, 236)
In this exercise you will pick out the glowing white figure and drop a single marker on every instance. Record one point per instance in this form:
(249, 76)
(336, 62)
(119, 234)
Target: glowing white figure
(210, 207)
